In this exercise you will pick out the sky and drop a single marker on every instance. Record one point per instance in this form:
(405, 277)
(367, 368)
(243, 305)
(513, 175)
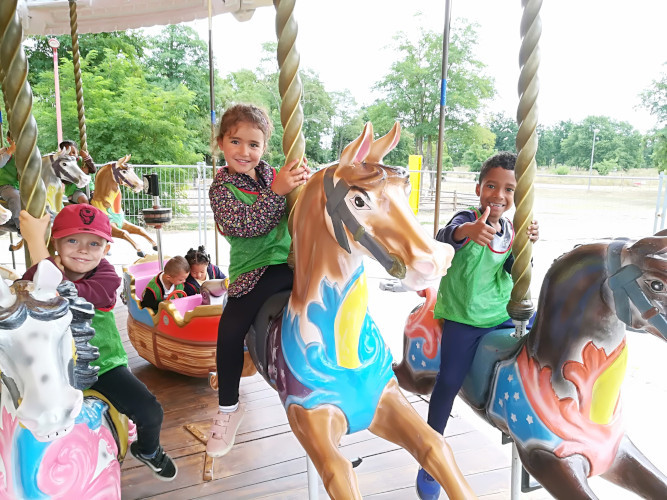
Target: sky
(596, 55)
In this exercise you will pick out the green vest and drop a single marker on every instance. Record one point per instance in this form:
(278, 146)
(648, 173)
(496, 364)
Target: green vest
(107, 340)
(9, 175)
(476, 288)
(247, 254)
(70, 188)
(157, 289)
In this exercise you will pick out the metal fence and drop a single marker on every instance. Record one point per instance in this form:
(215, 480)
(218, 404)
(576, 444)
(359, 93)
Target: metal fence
(568, 203)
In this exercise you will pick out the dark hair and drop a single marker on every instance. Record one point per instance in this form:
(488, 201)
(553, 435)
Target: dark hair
(248, 113)
(502, 159)
(176, 264)
(67, 143)
(198, 256)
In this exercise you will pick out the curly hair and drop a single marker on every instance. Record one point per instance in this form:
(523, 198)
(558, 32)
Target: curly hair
(248, 113)
(502, 159)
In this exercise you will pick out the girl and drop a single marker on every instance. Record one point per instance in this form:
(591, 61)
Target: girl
(201, 269)
(248, 201)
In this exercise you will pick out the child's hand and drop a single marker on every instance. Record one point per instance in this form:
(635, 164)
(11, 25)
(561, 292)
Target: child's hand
(33, 229)
(479, 231)
(534, 231)
(59, 263)
(287, 179)
(12, 147)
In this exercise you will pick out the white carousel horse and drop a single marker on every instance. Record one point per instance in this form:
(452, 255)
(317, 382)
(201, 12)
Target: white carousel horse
(55, 442)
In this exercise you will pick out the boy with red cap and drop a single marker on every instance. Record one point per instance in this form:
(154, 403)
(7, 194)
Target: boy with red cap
(81, 235)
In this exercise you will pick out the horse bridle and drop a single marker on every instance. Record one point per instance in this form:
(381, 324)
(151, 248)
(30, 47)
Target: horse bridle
(118, 176)
(626, 290)
(60, 172)
(340, 215)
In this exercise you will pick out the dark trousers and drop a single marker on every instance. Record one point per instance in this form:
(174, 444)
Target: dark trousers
(130, 396)
(236, 319)
(457, 352)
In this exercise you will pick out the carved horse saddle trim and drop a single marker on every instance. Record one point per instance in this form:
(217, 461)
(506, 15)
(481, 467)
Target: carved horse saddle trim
(118, 423)
(626, 290)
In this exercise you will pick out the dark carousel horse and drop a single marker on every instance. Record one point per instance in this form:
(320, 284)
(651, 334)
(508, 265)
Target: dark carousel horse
(556, 392)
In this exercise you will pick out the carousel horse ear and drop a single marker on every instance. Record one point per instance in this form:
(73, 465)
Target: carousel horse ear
(384, 144)
(46, 280)
(358, 149)
(7, 299)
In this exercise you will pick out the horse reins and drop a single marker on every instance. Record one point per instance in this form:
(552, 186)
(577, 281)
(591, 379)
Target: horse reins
(58, 170)
(340, 215)
(626, 290)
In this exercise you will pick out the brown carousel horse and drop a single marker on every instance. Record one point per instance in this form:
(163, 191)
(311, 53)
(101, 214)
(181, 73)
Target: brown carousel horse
(107, 198)
(556, 392)
(323, 353)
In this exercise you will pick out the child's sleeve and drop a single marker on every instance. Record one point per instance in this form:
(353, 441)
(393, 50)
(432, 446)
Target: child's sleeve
(446, 234)
(236, 218)
(217, 273)
(100, 288)
(148, 299)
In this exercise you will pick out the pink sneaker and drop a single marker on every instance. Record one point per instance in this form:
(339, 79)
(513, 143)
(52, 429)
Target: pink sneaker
(223, 432)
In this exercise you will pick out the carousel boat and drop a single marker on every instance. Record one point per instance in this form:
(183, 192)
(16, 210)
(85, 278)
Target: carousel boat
(181, 336)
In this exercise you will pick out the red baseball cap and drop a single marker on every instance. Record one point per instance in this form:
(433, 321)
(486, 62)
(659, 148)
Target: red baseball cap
(81, 218)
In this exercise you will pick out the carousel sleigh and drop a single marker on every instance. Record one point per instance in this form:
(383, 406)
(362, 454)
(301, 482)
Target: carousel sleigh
(181, 336)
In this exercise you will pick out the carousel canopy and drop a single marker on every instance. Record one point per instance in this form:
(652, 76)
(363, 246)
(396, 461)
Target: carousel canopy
(51, 17)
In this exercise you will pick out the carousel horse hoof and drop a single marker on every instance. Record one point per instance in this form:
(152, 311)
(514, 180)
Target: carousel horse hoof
(356, 462)
(161, 464)
(213, 380)
(223, 432)
(141, 254)
(427, 487)
(155, 247)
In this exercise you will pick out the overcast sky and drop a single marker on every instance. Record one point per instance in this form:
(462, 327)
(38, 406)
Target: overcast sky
(597, 55)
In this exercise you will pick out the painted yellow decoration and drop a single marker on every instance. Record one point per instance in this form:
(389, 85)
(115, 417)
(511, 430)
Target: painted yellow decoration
(606, 389)
(54, 197)
(415, 168)
(349, 321)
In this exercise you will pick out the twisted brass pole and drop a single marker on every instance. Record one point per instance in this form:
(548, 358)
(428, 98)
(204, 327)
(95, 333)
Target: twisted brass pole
(520, 306)
(289, 84)
(18, 102)
(74, 29)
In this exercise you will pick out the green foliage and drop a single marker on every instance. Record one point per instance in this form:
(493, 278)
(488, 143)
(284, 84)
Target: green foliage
(562, 170)
(654, 98)
(505, 130)
(605, 166)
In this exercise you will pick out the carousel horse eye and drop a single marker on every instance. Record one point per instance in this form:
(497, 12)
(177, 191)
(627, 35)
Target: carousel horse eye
(657, 286)
(359, 202)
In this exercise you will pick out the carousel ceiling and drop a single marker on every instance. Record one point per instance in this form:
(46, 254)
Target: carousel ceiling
(51, 17)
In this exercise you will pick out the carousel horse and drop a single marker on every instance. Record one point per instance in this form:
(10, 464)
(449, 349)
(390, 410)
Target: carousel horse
(556, 391)
(56, 168)
(107, 197)
(323, 352)
(55, 442)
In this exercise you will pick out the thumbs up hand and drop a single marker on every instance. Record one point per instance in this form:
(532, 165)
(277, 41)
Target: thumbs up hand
(479, 231)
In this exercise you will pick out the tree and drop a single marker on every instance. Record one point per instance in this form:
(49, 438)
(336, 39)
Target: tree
(654, 99)
(505, 130)
(414, 97)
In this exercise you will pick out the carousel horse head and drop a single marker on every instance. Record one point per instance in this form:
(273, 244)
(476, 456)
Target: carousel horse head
(367, 212)
(36, 359)
(65, 167)
(123, 174)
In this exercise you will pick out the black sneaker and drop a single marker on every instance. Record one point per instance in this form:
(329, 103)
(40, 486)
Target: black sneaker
(161, 464)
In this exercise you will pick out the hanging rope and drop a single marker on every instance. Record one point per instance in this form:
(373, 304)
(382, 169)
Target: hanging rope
(74, 28)
(289, 84)
(520, 306)
(18, 102)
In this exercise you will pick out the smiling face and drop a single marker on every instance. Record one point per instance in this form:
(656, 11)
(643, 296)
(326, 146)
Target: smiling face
(496, 190)
(243, 147)
(80, 253)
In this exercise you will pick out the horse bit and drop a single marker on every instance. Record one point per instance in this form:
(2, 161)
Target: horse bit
(340, 214)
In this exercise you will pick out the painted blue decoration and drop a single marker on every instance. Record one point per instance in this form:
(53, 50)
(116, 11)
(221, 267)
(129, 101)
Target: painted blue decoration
(356, 391)
(213, 116)
(29, 453)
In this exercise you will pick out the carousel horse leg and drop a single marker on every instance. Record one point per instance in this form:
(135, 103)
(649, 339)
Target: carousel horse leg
(132, 229)
(562, 477)
(310, 428)
(116, 232)
(397, 421)
(633, 471)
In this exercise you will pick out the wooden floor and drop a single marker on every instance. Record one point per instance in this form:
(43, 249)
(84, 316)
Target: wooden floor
(268, 462)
